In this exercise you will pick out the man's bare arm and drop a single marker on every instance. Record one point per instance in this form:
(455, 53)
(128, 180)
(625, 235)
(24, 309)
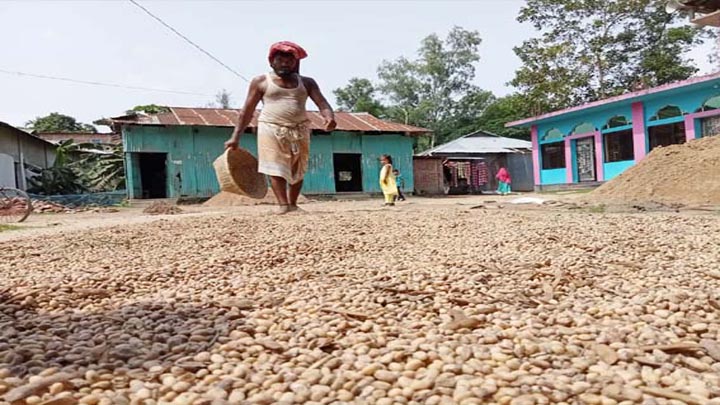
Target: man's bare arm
(317, 97)
(255, 94)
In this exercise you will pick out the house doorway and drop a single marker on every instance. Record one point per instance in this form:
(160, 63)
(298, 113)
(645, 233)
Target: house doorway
(585, 153)
(153, 174)
(665, 135)
(348, 172)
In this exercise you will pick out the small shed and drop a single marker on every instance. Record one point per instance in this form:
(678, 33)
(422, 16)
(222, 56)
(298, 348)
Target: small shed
(18, 151)
(170, 154)
(469, 165)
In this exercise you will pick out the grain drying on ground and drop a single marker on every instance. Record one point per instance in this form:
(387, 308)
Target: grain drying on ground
(430, 306)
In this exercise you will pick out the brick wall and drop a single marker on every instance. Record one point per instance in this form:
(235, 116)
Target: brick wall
(428, 175)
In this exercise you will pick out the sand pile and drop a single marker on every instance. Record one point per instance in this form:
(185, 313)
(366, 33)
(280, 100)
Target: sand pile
(225, 199)
(686, 174)
(162, 208)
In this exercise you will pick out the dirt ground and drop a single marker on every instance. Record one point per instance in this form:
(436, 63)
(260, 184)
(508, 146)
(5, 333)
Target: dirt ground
(464, 300)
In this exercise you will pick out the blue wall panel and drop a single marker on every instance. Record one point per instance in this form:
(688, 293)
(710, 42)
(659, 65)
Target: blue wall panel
(553, 176)
(319, 178)
(688, 101)
(598, 118)
(398, 146)
(346, 142)
(614, 169)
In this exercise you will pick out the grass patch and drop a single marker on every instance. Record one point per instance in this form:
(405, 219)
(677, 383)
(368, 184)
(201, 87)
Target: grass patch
(5, 227)
(597, 209)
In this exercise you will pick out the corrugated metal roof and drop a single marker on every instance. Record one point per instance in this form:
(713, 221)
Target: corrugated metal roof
(480, 142)
(80, 137)
(215, 117)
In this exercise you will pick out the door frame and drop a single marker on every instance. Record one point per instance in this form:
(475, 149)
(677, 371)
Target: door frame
(593, 156)
(142, 188)
(360, 171)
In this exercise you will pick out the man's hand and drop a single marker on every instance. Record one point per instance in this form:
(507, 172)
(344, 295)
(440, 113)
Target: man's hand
(330, 125)
(232, 143)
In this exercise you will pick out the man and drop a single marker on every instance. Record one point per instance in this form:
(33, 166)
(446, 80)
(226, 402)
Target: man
(283, 129)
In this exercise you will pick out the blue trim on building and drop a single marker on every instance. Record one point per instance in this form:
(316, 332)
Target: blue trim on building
(689, 99)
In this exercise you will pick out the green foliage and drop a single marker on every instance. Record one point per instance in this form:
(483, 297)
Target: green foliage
(55, 181)
(64, 151)
(77, 169)
(592, 49)
(359, 96)
(56, 122)
(104, 172)
(435, 90)
(503, 110)
(149, 109)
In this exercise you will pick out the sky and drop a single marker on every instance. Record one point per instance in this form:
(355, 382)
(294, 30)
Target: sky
(113, 41)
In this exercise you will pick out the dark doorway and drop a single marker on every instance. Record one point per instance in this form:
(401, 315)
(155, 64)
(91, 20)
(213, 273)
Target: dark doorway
(665, 135)
(153, 174)
(348, 172)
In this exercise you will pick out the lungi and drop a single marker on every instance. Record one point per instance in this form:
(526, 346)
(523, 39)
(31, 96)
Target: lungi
(283, 150)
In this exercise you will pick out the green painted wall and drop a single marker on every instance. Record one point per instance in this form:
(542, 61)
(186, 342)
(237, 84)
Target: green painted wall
(398, 147)
(191, 151)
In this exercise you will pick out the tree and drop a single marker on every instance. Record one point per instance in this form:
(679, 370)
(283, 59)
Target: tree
(56, 122)
(149, 109)
(435, 90)
(359, 95)
(222, 100)
(503, 110)
(593, 49)
(103, 171)
(80, 168)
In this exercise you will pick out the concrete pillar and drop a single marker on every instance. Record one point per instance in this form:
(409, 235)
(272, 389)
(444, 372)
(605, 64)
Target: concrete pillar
(535, 153)
(599, 168)
(638, 128)
(689, 128)
(568, 162)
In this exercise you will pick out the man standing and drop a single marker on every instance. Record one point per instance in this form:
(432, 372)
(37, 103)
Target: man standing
(283, 129)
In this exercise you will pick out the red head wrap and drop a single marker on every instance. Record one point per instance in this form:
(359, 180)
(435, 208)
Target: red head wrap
(287, 47)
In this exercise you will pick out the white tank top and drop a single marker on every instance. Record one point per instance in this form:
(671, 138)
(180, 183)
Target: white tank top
(284, 106)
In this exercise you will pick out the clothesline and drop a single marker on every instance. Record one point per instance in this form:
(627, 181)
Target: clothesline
(475, 173)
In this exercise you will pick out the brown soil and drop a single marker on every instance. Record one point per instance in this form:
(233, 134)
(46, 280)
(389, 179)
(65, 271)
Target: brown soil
(687, 174)
(225, 199)
(162, 208)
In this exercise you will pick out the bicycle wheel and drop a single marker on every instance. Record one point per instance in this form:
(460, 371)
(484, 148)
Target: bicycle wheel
(15, 205)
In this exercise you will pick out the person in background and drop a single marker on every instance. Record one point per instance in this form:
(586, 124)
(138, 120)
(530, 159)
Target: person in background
(400, 181)
(387, 180)
(504, 181)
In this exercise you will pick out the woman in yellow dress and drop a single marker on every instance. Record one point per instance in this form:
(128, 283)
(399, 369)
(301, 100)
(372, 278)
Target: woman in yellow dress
(387, 180)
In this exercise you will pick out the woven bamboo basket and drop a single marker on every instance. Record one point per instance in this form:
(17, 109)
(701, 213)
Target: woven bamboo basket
(237, 172)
